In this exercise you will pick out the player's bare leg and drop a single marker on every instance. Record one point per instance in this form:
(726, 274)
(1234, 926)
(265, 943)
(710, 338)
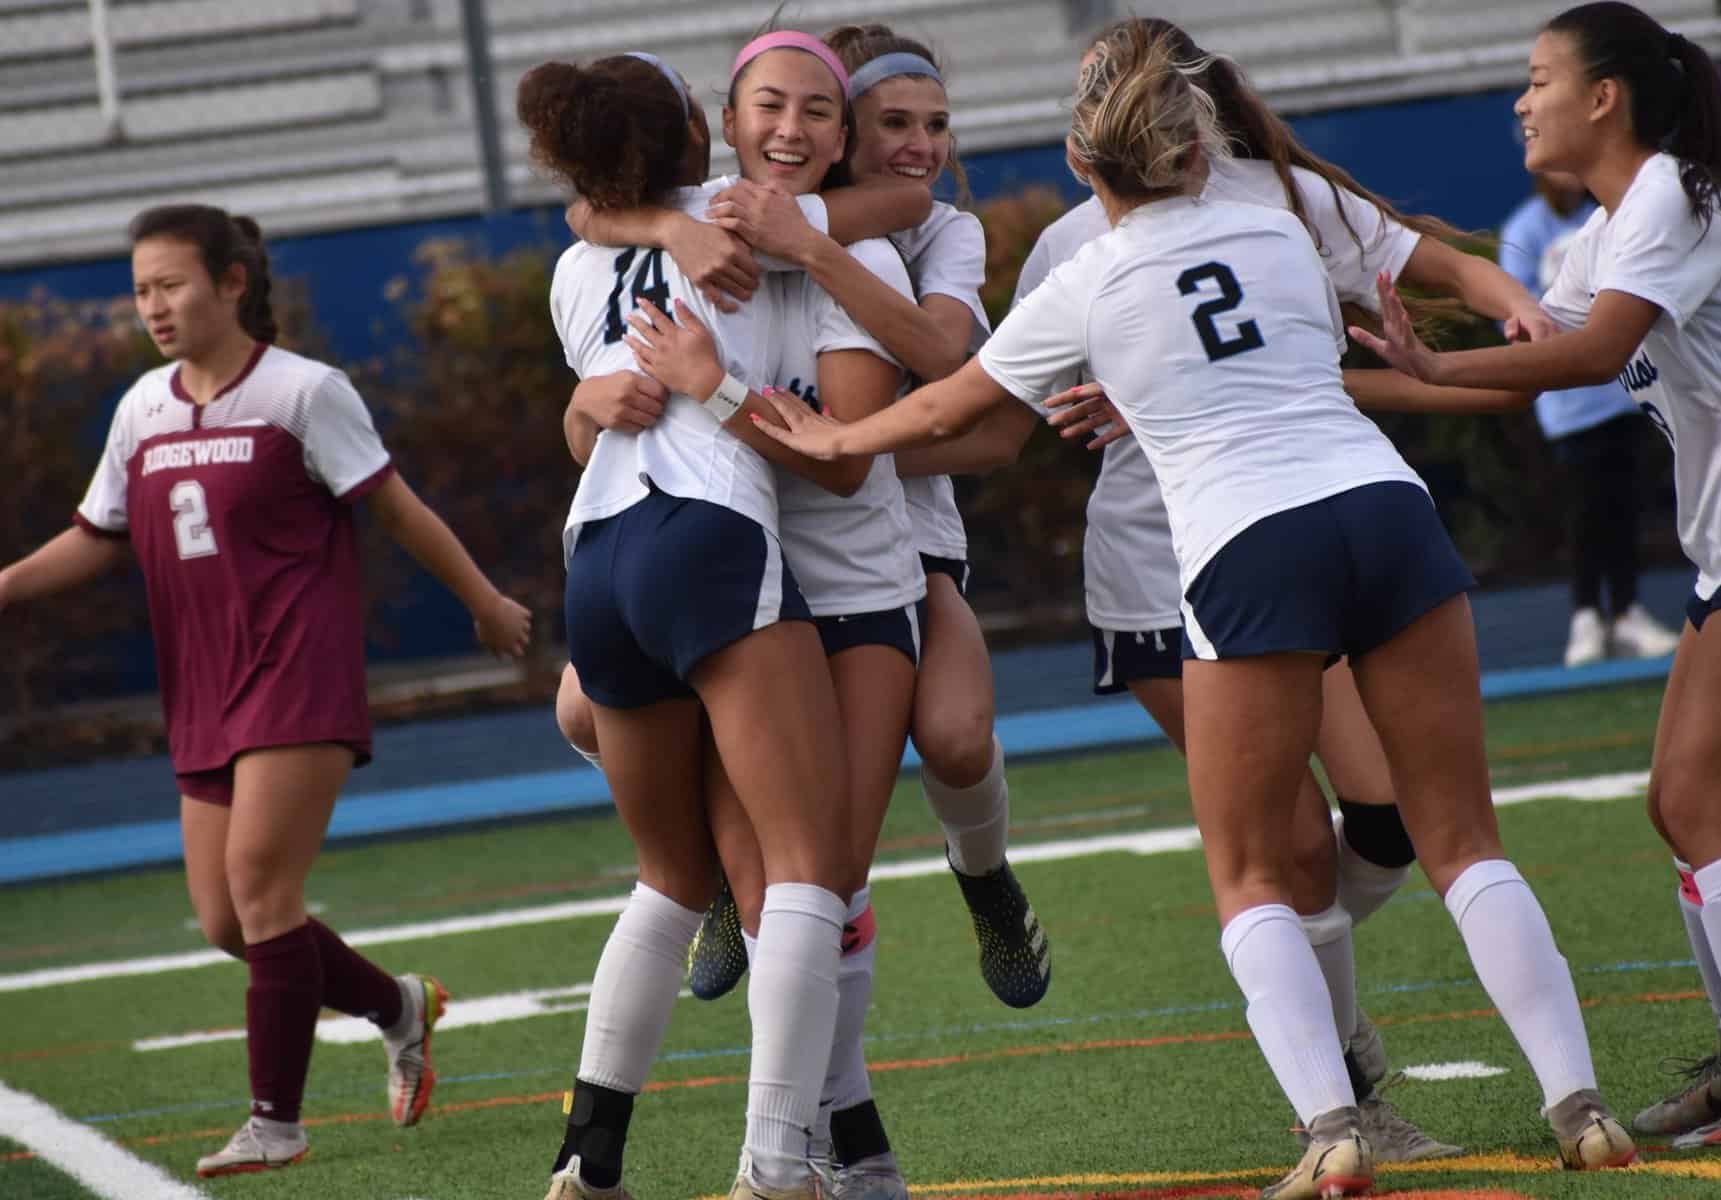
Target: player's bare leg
(962, 774)
(203, 832)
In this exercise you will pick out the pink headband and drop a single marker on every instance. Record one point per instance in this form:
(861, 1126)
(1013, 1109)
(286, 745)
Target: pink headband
(792, 39)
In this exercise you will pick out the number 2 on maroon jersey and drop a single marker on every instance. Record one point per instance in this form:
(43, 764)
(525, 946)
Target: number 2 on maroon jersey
(191, 530)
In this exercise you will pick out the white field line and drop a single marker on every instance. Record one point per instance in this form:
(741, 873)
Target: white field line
(1157, 841)
(84, 1154)
(348, 1031)
(1440, 1072)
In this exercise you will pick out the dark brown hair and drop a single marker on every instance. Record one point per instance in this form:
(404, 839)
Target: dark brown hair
(615, 131)
(1674, 87)
(221, 241)
(857, 45)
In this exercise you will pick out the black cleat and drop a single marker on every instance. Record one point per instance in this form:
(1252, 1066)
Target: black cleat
(1015, 959)
(718, 957)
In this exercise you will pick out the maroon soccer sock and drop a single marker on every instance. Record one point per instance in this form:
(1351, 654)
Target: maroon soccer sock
(281, 1006)
(352, 983)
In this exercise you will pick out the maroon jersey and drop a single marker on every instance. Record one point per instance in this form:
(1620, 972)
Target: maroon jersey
(238, 514)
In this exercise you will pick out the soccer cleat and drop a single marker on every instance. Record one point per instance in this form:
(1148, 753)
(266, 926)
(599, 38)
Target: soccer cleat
(1338, 1161)
(1694, 1106)
(876, 1178)
(1015, 958)
(259, 1145)
(1589, 1137)
(566, 1184)
(718, 956)
(410, 1077)
(1701, 1138)
(1394, 1139)
(1587, 641)
(745, 1189)
(1636, 634)
(1367, 1051)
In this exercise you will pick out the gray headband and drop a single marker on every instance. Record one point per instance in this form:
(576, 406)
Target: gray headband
(889, 66)
(663, 68)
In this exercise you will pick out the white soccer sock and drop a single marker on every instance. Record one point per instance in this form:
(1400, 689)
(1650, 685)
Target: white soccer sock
(792, 997)
(976, 819)
(1521, 969)
(1364, 886)
(1329, 935)
(1692, 911)
(1289, 1009)
(846, 1083)
(752, 945)
(634, 989)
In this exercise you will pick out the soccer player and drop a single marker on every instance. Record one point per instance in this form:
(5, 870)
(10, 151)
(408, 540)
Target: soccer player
(681, 610)
(902, 132)
(232, 473)
(1215, 329)
(1635, 113)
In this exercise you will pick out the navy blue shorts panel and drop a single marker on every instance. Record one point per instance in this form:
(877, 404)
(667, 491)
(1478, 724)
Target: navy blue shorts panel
(660, 586)
(1697, 609)
(955, 568)
(898, 628)
(1121, 658)
(1338, 576)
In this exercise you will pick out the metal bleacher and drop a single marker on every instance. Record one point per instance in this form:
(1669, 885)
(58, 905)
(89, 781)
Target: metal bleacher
(319, 114)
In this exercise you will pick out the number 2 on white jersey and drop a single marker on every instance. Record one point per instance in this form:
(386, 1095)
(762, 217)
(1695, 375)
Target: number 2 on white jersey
(191, 520)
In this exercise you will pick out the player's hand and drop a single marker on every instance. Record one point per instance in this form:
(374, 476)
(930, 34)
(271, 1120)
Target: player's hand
(504, 627)
(766, 219)
(5, 586)
(798, 427)
(679, 354)
(627, 401)
(1398, 343)
(718, 262)
(1530, 325)
(1084, 410)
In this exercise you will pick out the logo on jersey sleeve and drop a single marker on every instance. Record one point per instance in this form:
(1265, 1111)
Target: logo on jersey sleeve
(1639, 374)
(202, 453)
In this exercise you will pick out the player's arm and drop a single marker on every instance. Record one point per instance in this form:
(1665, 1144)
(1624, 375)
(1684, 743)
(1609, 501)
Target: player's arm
(504, 627)
(1483, 286)
(74, 556)
(718, 262)
(930, 414)
(995, 441)
(1594, 354)
(681, 355)
(1394, 391)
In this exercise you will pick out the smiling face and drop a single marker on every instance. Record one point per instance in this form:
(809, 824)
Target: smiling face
(786, 122)
(185, 311)
(902, 129)
(1561, 112)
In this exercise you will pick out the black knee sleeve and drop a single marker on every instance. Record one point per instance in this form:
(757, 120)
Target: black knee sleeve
(1377, 833)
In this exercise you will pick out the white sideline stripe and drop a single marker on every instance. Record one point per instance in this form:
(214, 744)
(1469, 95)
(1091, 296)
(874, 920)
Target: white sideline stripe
(1442, 1072)
(350, 1031)
(104, 1168)
(1158, 841)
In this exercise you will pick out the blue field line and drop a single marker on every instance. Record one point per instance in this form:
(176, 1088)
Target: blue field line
(1102, 724)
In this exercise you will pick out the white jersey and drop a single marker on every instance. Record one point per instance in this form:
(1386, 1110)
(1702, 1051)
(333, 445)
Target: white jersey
(1128, 569)
(946, 256)
(852, 554)
(1214, 329)
(686, 453)
(1653, 248)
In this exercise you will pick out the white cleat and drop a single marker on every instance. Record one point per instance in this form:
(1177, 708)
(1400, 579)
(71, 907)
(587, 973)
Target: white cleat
(259, 1145)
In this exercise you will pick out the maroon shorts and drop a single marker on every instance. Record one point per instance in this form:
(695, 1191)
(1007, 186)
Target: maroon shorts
(215, 786)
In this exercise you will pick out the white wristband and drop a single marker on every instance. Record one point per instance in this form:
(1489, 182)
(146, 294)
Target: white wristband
(727, 400)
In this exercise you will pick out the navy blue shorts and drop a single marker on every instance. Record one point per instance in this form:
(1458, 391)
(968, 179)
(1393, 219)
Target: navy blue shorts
(658, 587)
(898, 628)
(956, 568)
(1122, 658)
(1697, 609)
(1338, 576)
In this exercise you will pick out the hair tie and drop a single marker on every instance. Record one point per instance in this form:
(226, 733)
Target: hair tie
(889, 66)
(792, 39)
(663, 68)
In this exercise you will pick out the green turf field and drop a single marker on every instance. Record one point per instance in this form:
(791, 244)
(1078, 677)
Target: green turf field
(1134, 1077)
